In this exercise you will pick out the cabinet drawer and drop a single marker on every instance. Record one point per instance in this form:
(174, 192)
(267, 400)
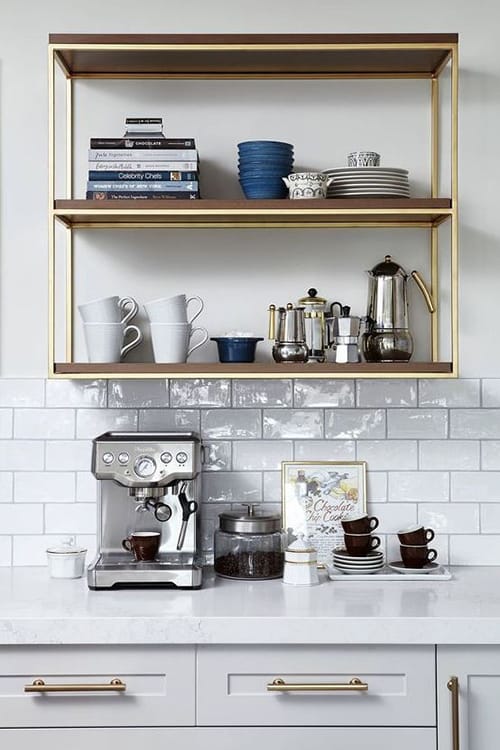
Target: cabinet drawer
(229, 739)
(160, 686)
(233, 680)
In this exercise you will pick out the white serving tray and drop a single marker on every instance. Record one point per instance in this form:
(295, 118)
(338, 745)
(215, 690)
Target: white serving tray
(386, 574)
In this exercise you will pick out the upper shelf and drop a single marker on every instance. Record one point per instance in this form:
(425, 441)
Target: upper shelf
(366, 212)
(253, 55)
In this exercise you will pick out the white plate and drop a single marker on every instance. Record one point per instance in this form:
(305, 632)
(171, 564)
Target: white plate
(369, 191)
(368, 572)
(401, 180)
(367, 183)
(365, 170)
(357, 560)
(399, 566)
(365, 186)
(342, 552)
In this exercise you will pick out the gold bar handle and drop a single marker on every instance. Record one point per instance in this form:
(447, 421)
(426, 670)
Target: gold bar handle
(454, 689)
(278, 685)
(39, 686)
(272, 323)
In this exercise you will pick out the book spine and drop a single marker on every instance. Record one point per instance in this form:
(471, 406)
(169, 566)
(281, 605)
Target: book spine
(144, 121)
(144, 176)
(162, 187)
(141, 166)
(153, 154)
(146, 195)
(133, 142)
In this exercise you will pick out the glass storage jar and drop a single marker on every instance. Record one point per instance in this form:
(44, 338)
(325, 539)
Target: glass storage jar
(249, 545)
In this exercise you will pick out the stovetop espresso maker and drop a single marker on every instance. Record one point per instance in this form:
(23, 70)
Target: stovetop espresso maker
(387, 337)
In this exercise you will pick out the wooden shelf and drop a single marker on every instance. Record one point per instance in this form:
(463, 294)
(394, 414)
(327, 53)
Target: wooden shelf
(252, 370)
(252, 56)
(367, 212)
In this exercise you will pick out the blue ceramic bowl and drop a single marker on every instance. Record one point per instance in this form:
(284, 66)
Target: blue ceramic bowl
(269, 145)
(236, 349)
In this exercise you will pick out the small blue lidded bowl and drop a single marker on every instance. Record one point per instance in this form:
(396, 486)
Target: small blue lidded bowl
(236, 348)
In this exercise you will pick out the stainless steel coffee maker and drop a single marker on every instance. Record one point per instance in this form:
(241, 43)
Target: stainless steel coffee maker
(149, 482)
(388, 338)
(290, 336)
(314, 321)
(343, 331)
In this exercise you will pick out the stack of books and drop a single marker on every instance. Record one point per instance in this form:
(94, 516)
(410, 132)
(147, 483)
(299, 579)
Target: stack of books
(143, 165)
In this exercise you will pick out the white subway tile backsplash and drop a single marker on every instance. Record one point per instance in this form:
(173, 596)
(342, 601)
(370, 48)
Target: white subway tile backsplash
(262, 393)
(216, 455)
(29, 549)
(185, 420)
(21, 455)
(386, 393)
(460, 455)
(476, 486)
(44, 424)
(323, 393)
(261, 455)
(475, 549)
(231, 423)
(490, 455)
(272, 486)
(490, 518)
(419, 486)
(387, 455)
(69, 455)
(6, 486)
(21, 519)
(5, 551)
(292, 423)
(376, 486)
(191, 393)
(417, 423)
(393, 516)
(145, 394)
(450, 518)
(44, 487)
(71, 393)
(325, 450)
(449, 393)
(20, 392)
(6, 420)
(491, 392)
(232, 487)
(86, 487)
(93, 422)
(70, 518)
(475, 423)
(357, 424)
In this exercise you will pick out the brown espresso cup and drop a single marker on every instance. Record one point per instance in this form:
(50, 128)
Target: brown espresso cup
(361, 544)
(416, 556)
(144, 545)
(415, 535)
(360, 525)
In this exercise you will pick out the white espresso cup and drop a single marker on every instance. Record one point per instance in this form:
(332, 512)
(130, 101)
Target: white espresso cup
(171, 341)
(105, 341)
(109, 310)
(173, 309)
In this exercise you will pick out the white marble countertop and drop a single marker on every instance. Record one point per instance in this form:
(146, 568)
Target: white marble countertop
(37, 609)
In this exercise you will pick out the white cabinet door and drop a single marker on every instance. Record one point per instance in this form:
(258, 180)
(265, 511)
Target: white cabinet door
(214, 738)
(477, 669)
(232, 686)
(160, 686)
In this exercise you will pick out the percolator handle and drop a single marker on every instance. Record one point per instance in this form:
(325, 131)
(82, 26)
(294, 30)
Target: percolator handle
(425, 292)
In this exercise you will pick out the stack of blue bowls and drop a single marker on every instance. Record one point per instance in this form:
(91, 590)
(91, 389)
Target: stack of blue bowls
(262, 165)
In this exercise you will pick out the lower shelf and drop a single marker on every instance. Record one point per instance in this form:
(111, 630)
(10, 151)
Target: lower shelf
(252, 370)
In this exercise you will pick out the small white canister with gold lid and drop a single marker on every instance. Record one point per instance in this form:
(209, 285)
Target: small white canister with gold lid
(301, 563)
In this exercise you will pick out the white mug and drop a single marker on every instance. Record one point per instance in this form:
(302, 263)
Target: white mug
(172, 309)
(105, 341)
(109, 310)
(171, 341)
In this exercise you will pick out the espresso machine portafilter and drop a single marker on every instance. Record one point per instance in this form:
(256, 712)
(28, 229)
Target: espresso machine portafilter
(148, 482)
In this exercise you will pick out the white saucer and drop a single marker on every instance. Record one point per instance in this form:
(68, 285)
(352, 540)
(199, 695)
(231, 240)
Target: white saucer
(399, 566)
(351, 572)
(365, 170)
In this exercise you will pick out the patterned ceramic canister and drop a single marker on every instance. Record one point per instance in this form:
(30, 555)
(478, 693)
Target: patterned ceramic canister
(363, 159)
(307, 184)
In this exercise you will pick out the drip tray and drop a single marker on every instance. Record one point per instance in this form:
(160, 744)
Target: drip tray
(116, 570)
(118, 561)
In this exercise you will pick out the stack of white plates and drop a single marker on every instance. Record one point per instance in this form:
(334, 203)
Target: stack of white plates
(352, 565)
(368, 182)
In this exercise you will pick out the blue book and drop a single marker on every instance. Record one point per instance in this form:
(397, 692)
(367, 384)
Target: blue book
(103, 195)
(145, 176)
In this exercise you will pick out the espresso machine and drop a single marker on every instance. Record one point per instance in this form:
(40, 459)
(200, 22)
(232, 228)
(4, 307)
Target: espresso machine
(149, 482)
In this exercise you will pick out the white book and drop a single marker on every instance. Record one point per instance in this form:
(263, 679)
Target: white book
(143, 166)
(146, 154)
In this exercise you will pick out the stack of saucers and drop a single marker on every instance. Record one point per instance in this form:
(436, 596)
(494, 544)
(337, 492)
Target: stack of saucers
(368, 182)
(262, 166)
(357, 565)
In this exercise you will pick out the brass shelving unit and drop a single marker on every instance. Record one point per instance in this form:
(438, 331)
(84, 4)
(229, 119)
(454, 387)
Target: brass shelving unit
(282, 56)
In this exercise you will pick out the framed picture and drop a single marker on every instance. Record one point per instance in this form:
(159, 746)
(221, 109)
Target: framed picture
(317, 495)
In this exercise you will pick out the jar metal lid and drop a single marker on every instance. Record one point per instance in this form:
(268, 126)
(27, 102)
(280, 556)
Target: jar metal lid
(249, 522)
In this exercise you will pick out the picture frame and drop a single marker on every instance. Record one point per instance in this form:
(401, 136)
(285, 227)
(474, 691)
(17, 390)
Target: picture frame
(316, 496)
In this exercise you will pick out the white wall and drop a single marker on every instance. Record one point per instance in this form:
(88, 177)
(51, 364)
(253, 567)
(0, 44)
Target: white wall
(333, 111)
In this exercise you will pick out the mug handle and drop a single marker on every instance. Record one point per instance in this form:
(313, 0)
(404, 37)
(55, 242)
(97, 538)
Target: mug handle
(431, 555)
(135, 342)
(429, 535)
(200, 343)
(198, 312)
(130, 302)
(375, 539)
(126, 544)
(373, 523)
